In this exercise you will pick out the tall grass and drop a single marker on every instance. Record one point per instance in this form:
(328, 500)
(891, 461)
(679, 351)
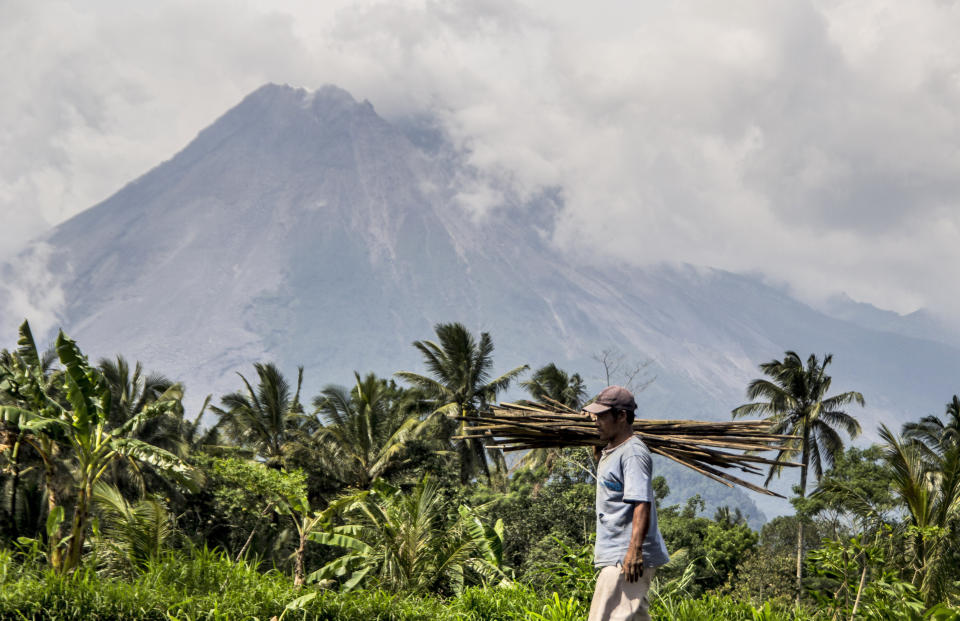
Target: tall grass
(202, 584)
(206, 585)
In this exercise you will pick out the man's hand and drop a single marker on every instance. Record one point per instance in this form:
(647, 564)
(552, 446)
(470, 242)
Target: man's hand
(632, 565)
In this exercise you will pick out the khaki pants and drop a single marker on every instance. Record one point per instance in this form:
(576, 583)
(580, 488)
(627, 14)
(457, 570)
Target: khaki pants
(615, 599)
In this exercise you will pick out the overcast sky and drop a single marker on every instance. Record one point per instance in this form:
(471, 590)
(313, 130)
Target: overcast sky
(817, 143)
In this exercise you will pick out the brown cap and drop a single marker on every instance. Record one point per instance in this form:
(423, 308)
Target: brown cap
(612, 397)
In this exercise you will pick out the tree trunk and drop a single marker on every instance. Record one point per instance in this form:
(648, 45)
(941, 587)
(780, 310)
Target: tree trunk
(246, 544)
(78, 528)
(799, 580)
(298, 563)
(805, 461)
(14, 523)
(863, 580)
(253, 530)
(49, 480)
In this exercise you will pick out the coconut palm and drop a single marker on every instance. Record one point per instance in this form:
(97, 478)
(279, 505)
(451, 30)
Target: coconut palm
(406, 541)
(130, 533)
(933, 436)
(268, 419)
(200, 438)
(132, 391)
(461, 385)
(795, 399)
(928, 483)
(368, 430)
(552, 387)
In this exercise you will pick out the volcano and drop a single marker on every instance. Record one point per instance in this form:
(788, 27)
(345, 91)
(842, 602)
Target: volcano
(304, 228)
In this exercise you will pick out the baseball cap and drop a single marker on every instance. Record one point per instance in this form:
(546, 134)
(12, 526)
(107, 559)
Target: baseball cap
(612, 397)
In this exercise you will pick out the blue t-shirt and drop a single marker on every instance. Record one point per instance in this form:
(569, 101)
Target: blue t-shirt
(624, 478)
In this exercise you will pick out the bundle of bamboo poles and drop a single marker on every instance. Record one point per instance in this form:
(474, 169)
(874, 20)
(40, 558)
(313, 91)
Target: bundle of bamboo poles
(710, 448)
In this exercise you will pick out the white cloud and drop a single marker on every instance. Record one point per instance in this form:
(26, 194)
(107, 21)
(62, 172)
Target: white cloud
(812, 141)
(29, 288)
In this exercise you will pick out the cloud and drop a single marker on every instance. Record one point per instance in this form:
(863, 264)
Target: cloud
(97, 94)
(30, 289)
(814, 142)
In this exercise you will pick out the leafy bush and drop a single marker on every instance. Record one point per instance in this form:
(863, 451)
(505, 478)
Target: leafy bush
(541, 515)
(411, 542)
(573, 574)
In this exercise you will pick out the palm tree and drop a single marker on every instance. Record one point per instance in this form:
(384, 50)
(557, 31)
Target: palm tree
(552, 387)
(267, 419)
(405, 542)
(795, 400)
(929, 485)
(132, 392)
(460, 383)
(196, 437)
(368, 429)
(130, 533)
(932, 436)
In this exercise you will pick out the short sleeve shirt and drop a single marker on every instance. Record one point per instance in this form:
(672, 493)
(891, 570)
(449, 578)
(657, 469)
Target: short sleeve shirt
(624, 478)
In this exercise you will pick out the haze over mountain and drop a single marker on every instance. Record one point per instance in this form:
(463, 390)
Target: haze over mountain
(304, 228)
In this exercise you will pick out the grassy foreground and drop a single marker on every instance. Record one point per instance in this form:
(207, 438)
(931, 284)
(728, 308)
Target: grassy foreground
(206, 585)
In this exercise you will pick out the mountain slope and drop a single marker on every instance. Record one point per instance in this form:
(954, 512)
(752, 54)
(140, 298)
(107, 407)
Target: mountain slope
(304, 228)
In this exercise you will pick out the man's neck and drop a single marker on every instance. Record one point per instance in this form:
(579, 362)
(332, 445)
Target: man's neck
(620, 438)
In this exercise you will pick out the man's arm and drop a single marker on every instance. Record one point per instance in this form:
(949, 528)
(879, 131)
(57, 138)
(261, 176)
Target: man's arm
(633, 561)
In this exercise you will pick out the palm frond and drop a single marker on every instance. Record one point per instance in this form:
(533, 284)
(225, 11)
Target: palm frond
(428, 384)
(840, 420)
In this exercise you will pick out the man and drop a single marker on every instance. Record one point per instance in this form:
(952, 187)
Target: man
(629, 546)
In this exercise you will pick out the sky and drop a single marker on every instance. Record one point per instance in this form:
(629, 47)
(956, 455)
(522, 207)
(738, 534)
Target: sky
(814, 143)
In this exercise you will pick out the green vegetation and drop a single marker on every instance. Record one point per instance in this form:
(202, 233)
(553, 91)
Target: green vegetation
(115, 505)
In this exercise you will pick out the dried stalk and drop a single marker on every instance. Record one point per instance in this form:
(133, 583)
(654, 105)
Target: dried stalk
(702, 446)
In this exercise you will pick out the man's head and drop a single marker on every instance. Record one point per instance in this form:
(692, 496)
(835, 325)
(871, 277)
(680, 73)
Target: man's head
(613, 410)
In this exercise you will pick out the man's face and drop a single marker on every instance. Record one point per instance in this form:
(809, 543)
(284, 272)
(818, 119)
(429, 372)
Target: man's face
(608, 424)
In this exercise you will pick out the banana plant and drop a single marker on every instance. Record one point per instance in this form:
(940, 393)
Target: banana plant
(94, 448)
(29, 385)
(307, 522)
(69, 416)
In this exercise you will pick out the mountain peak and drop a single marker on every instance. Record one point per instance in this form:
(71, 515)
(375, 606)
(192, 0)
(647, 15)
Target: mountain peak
(285, 99)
